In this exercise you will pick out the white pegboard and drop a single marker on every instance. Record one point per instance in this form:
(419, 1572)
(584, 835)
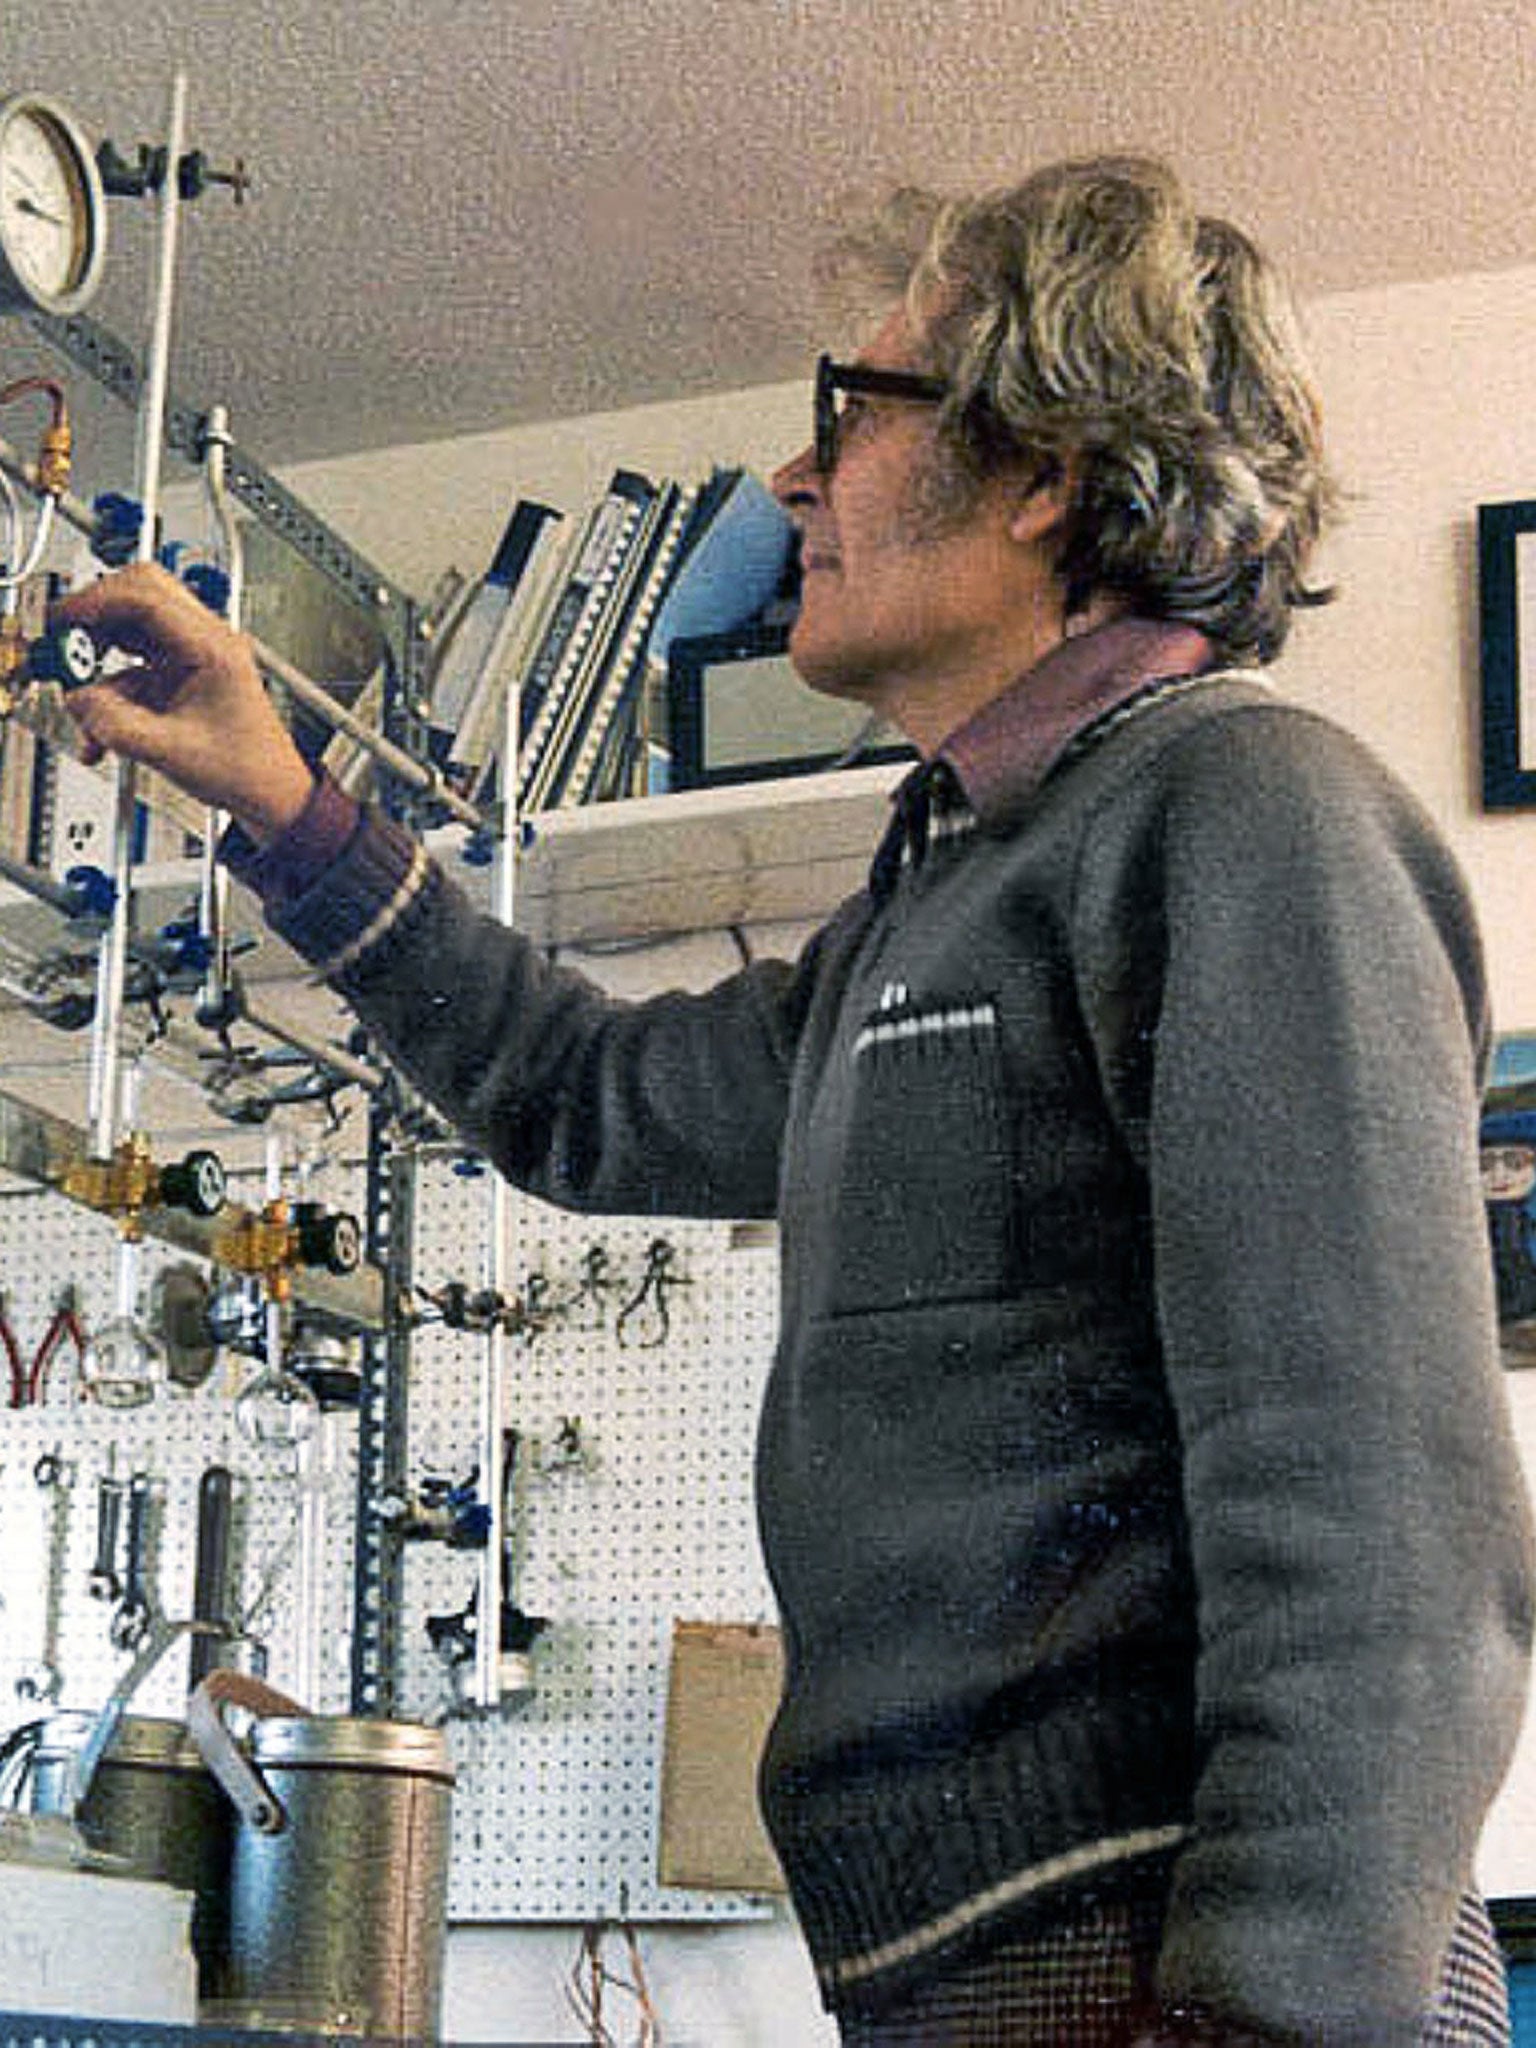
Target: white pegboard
(47, 1613)
(651, 1522)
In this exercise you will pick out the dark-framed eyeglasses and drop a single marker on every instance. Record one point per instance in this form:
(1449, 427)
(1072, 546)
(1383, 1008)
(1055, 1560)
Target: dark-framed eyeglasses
(864, 381)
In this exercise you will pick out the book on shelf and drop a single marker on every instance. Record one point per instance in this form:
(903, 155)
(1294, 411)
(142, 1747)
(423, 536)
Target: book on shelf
(715, 552)
(482, 734)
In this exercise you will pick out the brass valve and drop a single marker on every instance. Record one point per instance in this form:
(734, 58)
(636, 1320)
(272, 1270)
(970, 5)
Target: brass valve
(270, 1242)
(122, 1186)
(13, 662)
(57, 444)
(263, 1242)
(130, 1182)
(54, 458)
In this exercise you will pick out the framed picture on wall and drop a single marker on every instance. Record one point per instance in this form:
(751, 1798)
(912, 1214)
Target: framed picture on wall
(1506, 563)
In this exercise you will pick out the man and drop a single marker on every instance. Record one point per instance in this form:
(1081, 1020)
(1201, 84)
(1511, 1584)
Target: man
(1134, 1474)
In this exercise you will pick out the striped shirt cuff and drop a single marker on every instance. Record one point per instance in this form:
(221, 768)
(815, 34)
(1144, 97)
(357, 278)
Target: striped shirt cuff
(335, 882)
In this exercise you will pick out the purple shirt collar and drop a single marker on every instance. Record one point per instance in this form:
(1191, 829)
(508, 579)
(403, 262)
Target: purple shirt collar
(1003, 753)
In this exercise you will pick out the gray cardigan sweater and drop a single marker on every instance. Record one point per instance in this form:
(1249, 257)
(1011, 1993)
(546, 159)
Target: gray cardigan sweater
(1135, 1473)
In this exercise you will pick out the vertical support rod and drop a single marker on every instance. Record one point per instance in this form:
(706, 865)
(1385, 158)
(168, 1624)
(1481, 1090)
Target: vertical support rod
(314, 1463)
(501, 1278)
(216, 997)
(112, 961)
(382, 1423)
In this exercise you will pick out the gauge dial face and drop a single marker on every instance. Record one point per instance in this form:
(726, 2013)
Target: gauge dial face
(51, 211)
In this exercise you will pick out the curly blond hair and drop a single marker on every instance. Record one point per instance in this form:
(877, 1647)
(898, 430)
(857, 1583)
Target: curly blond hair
(1089, 312)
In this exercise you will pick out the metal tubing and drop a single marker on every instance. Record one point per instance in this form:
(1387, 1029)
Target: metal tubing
(40, 885)
(41, 534)
(191, 1042)
(405, 767)
(344, 1065)
(216, 994)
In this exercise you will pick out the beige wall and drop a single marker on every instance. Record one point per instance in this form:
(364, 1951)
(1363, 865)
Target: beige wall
(1431, 397)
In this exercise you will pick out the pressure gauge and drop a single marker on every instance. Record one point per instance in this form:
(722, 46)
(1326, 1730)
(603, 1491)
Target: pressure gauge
(53, 211)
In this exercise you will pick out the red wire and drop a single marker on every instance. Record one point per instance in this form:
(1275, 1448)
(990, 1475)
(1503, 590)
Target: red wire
(19, 1387)
(23, 385)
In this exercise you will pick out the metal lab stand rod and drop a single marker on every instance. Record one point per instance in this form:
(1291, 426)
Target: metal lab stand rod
(343, 1067)
(501, 1277)
(346, 1067)
(217, 995)
(112, 962)
(415, 775)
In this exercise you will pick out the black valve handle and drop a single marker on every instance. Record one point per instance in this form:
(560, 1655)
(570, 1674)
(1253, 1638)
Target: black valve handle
(330, 1239)
(197, 1184)
(67, 655)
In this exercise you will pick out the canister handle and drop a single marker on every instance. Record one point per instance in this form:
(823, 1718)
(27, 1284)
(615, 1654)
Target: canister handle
(158, 1639)
(253, 1798)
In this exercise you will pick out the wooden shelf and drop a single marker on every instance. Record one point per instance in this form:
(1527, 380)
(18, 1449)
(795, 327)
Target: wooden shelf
(748, 853)
(784, 852)
(771, 852)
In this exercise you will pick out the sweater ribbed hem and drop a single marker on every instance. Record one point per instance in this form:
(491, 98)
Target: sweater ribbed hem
(889, 1878)
(1071, 1868)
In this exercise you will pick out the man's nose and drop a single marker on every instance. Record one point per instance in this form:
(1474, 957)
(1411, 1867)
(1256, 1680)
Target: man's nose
(798, 481)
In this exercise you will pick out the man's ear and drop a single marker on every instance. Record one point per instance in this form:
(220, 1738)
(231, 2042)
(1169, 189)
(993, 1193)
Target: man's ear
(1044, 497)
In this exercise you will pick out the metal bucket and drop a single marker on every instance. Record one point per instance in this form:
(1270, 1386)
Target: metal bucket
(339, 1873)
(152, 1803)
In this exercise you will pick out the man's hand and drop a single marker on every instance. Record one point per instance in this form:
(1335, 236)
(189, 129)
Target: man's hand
(192, 705)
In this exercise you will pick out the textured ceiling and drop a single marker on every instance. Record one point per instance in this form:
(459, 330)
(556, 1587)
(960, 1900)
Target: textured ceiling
(477, 212)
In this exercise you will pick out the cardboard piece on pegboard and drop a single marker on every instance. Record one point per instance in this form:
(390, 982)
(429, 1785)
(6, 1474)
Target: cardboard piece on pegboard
(722, 1695)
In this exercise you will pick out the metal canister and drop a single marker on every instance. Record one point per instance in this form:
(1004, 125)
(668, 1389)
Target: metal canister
(152, 1803)
(339, 1875)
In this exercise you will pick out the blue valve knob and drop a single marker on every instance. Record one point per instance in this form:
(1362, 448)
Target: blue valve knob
(211, 583)
(94, 891)
(471, 1526)
(119, 522)
(191, 948)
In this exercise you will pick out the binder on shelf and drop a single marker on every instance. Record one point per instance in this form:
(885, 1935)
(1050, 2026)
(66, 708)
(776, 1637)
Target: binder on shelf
(607, 538)
(541, 591)
(594, 693)
(735, 561)
(601, 763)
(469, 674)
